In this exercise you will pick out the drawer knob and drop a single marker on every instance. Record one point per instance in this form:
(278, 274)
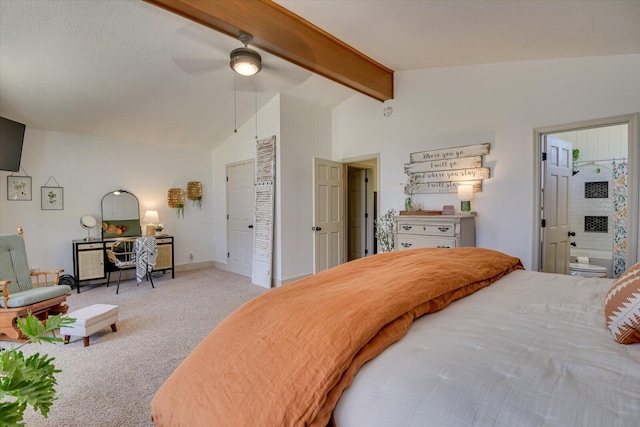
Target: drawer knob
(406, 245)
(444, 229)
(407, 227)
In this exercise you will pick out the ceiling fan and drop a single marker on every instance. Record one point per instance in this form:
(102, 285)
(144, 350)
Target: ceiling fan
(276, 74)
(245, 61)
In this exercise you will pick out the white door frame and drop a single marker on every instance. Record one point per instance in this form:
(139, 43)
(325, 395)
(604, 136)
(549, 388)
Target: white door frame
(633, 122)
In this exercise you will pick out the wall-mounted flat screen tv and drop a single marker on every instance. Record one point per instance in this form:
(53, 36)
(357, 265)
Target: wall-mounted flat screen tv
(11, 138)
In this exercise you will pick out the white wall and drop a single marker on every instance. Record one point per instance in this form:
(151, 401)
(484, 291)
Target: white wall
(302, 131)
(306, 133)
(87, 168)
(239, 147)
(497, 103)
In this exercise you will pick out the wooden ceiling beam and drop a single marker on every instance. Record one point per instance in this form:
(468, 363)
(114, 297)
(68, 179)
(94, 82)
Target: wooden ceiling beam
(282, 33)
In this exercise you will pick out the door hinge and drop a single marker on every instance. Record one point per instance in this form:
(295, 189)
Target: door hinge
(227, 216)
(544, 157)
(366, 180)
(366, 251)
(366, 215)
(227, 254)
(543, 223)
(227, 179)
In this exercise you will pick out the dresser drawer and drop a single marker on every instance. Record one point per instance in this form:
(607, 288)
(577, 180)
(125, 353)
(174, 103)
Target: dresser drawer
(87, 246)
(428, 229)
(412, 242)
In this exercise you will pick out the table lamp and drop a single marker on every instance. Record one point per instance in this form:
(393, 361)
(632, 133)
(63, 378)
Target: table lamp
(465, 194)
(151, 217)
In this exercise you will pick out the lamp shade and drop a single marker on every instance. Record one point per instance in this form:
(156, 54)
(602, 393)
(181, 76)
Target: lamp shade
(465, 192)
(151, 217)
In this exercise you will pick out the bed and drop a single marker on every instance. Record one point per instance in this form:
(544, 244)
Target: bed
(427, 337)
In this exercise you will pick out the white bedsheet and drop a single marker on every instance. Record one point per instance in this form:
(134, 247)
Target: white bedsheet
(530, 350)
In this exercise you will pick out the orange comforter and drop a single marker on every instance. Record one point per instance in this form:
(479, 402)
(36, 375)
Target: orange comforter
(284, 358)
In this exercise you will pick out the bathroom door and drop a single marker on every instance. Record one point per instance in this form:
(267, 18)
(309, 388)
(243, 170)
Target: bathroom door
(556, 207)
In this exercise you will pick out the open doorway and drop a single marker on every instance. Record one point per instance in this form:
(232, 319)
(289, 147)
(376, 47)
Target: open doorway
(587, 210)
(360, 208)
(361, 205)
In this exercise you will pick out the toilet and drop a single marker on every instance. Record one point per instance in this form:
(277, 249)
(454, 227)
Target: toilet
(587, 270)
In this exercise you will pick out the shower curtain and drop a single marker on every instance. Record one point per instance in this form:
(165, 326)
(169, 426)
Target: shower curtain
(620, 171)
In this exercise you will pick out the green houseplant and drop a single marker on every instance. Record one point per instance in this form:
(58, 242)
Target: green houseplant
(29, 381)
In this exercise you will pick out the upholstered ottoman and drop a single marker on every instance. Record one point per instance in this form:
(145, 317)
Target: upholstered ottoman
(90, 320)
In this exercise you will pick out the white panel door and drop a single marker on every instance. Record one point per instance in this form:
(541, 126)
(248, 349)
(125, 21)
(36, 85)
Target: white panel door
(328, 214)
(240, 216)
(556, 215)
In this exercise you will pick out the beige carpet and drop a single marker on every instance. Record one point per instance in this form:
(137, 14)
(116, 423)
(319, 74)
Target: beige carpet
(112, 382)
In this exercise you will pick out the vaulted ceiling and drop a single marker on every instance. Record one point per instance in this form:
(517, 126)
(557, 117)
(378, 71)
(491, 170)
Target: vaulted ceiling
(129, 70)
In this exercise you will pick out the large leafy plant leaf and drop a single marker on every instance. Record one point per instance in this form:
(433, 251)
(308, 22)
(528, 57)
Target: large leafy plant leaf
(29, 381)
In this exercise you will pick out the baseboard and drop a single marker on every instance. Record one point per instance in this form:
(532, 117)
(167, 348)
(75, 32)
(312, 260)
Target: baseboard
(279, 283)
(196, 266)
(220, 265)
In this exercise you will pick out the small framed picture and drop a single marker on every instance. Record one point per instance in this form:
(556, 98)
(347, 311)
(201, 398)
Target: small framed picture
(18, 188)
(52, 198)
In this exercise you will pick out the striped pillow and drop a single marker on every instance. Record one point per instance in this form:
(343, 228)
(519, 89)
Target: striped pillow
(622, 307)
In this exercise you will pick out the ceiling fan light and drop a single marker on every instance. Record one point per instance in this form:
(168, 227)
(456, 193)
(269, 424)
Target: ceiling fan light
(245, 61)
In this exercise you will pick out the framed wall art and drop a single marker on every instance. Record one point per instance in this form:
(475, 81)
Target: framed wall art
(52, 198)
(18, 188)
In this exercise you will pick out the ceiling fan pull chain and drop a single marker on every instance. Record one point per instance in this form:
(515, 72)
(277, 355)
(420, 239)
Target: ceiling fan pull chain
(255, 95)
(235, 104)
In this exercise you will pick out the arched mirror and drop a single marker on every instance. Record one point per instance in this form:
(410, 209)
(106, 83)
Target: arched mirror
(120, 214)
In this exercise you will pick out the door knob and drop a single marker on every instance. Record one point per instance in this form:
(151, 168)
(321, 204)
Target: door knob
(316, 228)
(572, 233)
(251, 226)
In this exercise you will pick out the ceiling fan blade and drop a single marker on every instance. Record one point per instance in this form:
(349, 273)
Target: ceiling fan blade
(284, 74)
(206, 37)
(200, 66)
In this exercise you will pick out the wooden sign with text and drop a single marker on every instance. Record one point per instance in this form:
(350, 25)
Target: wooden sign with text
(442, 170)
(451, 153)
(446, 187)
(440, 165)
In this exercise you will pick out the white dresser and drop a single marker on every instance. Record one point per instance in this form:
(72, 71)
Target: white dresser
(434, 231)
